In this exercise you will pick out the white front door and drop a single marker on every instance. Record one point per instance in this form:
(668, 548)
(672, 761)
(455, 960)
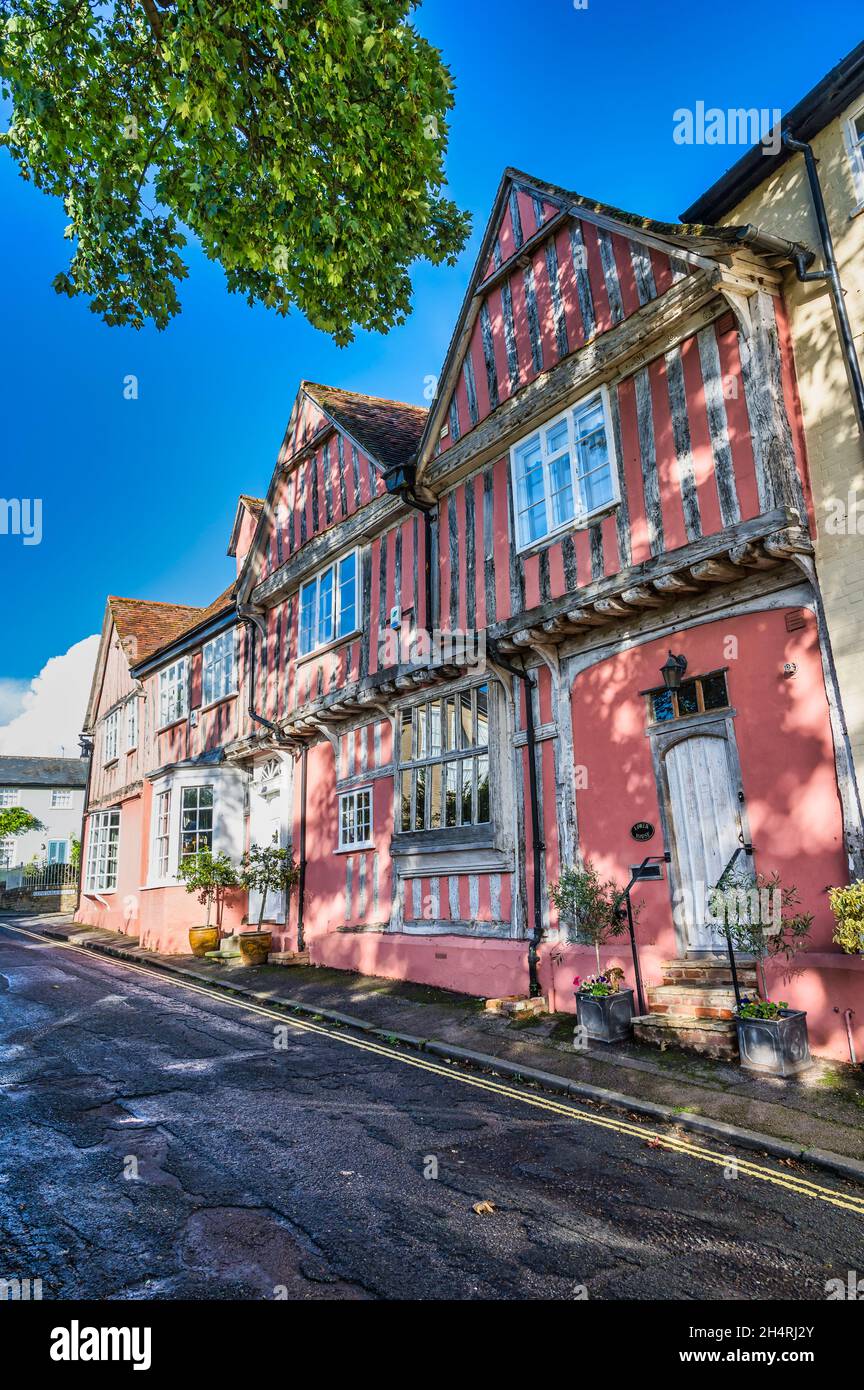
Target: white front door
(268, 812)
(705, 827)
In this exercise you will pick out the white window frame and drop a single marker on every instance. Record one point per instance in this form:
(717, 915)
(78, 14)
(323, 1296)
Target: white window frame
(174, 692)
(103, 833)
(582, 516)
(162, 834)
(336, 615)
(61, 805)
(229, 790)
(855, 151)
(111, 737)
(7, 852)
(351, 801)
(132, 724)
(226, 642)
(9, 796)
(208, 832)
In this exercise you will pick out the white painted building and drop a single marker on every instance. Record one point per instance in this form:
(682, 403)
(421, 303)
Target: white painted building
(51, 789)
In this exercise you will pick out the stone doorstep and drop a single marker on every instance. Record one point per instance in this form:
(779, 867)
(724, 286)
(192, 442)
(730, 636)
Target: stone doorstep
(288, 958)
(712, 1036)
(709, 1001)
(516, 1004)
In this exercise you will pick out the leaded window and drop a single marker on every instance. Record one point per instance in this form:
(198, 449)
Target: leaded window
(444, 762)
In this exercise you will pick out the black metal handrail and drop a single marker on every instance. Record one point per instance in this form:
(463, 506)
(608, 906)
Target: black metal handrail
(742, 849)
(665, 858)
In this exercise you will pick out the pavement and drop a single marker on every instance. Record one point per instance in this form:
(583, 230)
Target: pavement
(162, 1138)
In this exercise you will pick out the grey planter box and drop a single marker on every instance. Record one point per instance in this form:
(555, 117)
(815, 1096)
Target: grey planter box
(607, 1019)
(775, 1046)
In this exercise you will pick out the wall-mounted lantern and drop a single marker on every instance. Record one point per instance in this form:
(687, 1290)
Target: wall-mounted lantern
(672, 670)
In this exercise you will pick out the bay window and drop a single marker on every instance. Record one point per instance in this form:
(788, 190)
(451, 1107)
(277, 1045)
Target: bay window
(564, 473)
(102, 847)
(173, 693)
(444, 762)
(328, 605)
(196, 820)
(219, 668)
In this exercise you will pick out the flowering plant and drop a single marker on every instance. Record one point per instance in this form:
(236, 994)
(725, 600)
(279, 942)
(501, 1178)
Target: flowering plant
(762, 1008)
(599, 986)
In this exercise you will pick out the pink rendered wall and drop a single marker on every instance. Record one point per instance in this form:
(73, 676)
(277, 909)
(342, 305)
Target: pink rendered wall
(118, 910)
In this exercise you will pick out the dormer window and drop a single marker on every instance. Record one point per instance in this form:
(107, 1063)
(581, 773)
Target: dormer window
(564, 473)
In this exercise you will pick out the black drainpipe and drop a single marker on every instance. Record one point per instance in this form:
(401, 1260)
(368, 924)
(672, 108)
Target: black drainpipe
(830, 273)
(538, 845)
(249, 623)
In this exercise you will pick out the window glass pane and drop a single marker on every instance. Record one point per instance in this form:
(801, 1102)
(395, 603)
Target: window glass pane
(562, 490)
(452, 773)
(557, 438)
(407, 740)
(663, 706)
(465, 719)
(406, 800)
(325, 608)
(714, 691)
(307, 617)
(451, 723)
(420, 804)
(688, 702)
(467, 775)
(532, 524)
(435, 797)
(435, 748)
(592, 456)
(482, 790)
(482, 737)
(859, 126)
(420, 725)
(347, 594)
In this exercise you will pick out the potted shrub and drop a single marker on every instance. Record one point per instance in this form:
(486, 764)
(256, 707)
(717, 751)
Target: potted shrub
(592, 912)
(772, 1038)
(209, 876)
(847, 904)
(761, 920)
(266, 869)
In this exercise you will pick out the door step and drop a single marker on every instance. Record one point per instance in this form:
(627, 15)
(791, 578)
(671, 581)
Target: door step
(694, 1006)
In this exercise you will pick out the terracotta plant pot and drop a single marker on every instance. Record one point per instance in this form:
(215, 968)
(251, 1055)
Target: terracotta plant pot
(254, 947)
(203, 939)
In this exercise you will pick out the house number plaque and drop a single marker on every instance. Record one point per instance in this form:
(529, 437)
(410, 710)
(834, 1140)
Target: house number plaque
(642, 830)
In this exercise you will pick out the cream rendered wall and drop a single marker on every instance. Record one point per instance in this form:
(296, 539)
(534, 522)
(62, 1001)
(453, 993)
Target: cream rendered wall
(834, 444)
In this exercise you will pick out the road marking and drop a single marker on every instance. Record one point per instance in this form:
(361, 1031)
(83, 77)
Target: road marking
(791, 1182)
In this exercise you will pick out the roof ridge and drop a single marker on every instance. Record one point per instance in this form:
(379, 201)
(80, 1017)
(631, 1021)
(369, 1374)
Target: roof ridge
(363, 395)
(153, 602)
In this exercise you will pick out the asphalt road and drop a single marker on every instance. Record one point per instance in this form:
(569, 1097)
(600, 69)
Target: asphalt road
(159, 1144)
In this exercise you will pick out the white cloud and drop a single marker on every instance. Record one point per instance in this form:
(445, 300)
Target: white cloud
(52, 706)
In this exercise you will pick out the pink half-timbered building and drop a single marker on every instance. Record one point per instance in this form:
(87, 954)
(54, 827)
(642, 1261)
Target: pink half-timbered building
(437, 673)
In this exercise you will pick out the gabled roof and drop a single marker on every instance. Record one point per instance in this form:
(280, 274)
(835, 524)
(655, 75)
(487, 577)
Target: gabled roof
(43, 772)
(254, 506)
(387, 431)
(813, 112)
(144, 626)
(697, 242)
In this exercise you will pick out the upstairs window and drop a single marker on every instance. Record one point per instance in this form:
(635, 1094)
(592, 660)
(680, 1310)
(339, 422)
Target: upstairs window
(110, 737)
(61, 799)
(564, 473)
(328, 605)
(9, 796)
(219, 665)
(173, 693)
(7, 853)
(132, 725)
(444, 762)
(697, 696)
(855, 148)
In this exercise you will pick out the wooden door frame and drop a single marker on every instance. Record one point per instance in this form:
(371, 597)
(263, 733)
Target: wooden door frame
(662, 738)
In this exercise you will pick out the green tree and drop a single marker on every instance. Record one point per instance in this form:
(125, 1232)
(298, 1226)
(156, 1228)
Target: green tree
(14, 820)
(302, 143)
(591, 910)
(268, 869)
(208, 875)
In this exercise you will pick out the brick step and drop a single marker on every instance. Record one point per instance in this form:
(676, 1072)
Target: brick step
(710, 1036)
(683, 972)
(706, 1001)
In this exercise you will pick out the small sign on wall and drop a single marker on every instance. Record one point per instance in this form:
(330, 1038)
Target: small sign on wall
(642, 830)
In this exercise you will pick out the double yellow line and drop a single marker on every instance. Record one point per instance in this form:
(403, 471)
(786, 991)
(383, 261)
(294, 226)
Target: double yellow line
(744, 1167)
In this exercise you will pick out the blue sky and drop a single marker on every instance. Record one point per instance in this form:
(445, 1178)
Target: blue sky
(138, 496)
